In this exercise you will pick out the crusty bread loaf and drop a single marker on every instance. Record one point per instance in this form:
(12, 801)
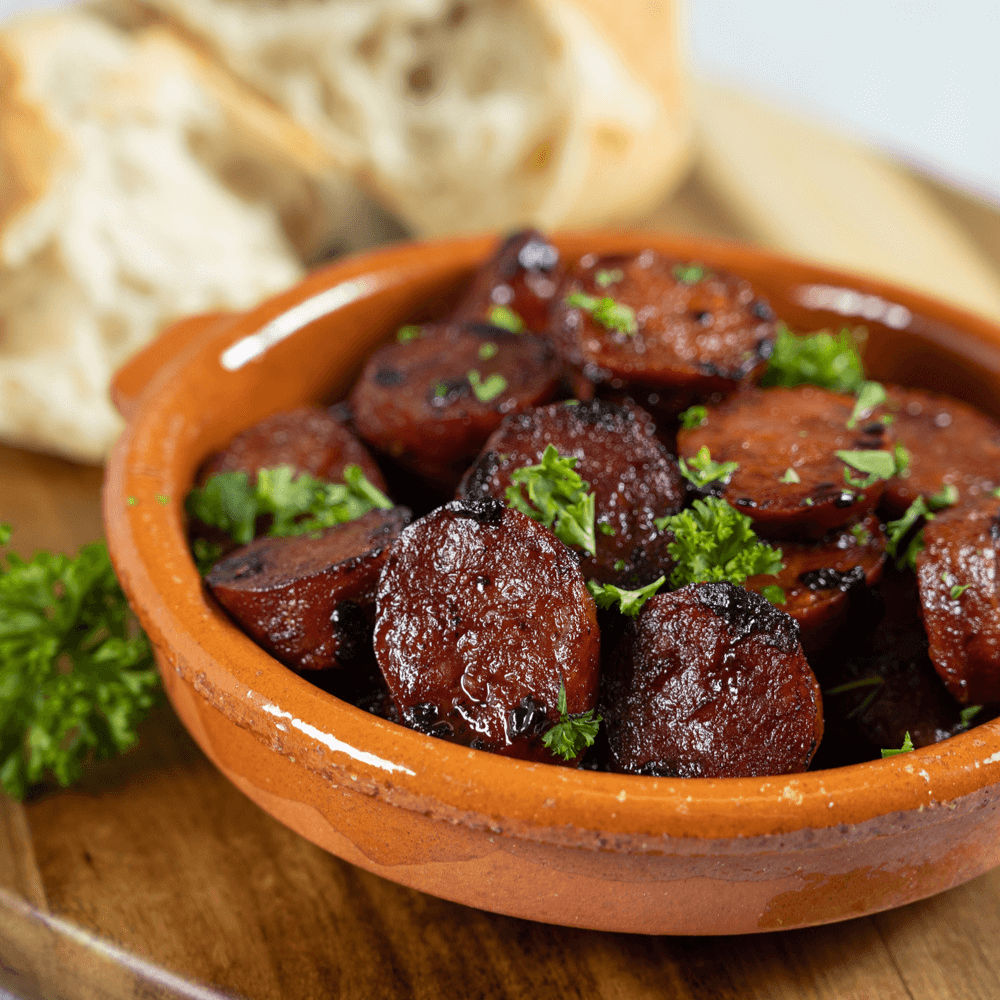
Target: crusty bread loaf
(465, 115)
(138, 184)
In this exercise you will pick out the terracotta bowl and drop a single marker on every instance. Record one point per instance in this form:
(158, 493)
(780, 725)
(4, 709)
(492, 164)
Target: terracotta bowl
(603, 851)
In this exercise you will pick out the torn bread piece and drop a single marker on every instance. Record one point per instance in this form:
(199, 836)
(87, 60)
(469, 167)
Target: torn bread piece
(469, 115)
(138, 184)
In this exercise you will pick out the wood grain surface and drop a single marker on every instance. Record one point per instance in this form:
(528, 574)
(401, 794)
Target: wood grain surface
(156, 878)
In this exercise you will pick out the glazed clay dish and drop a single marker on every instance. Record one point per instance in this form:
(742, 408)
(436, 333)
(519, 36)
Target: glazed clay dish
(619, 852)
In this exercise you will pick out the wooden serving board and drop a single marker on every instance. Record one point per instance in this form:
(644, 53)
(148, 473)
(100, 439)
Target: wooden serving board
(156, 878)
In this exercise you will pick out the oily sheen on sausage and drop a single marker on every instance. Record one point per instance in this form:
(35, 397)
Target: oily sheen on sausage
(482, 615)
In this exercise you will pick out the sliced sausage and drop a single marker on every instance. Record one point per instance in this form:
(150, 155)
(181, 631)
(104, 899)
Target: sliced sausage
(482, 614)
(310, 601)
(959, 577)
(879, 684)
(431, 403)
(771, 431)
(710, 681)
(949, 443)
(820, 577)
(521, 278)
(309, 439)
(661, 323)
(633, 478)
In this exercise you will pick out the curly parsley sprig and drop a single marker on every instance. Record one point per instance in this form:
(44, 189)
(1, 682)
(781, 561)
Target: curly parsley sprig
(572, 734)
(817, 358)
(298, 505)
(76, 673)
(557, 498)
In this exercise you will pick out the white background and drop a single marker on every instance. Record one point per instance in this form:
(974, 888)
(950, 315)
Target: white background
(921, 79)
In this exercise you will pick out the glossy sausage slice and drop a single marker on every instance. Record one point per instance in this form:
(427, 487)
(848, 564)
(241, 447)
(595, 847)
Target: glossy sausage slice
(949, 442)
(309, 439)
(670, 324)
(482, 614)
(522, 278)
(633, 478)
(771, 431)
(431, 403)
(310, 601)
(820, 577)
(962, 550)
(710, 681)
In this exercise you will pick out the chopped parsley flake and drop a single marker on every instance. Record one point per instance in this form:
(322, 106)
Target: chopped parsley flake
(440, 390)
(861, 534)
(506, 318)
(905, 748)
(899, 529)
(947, 497)
(610, 314)
(603, 278)
(694, 417)
(131, 501)
(701, 470)
(876, 464)
(162, 498)
(956, 590)
(557, 498)
(629, 602)
(689, 274)
(487, 351)
(605, 528)
(870, 395)
(969, 713)
(816, 358)
(862, 682)
(407, 333)
(488, 390)
(774, 594)
(572, 734)
(714, 542)
(619, 565)
(790, 476)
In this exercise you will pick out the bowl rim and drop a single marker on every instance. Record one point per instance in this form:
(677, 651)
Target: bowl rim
(197, 644)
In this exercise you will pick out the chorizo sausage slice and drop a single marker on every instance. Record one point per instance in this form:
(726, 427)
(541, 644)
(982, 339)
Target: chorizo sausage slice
(633, 478)
(308, 439)
(516, 286)
(432, 402)
(310, 601)
(661, 323)
(949, 443)
(710, 681)
(958, 572)
(820, 577)
(482, 615)
(790, 481)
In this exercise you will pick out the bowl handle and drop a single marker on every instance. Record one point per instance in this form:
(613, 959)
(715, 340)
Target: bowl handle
(130, 381)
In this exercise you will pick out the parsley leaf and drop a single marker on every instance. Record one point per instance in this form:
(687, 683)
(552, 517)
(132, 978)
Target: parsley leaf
(817, 358)
(76, 673)
(701, 470)
(604, 278)
(773, 593)
(689, 274)
(896, 532)
(714, 542)
(487, 390)
(572, 734)
(694, 417)
(557, 498)
(969, 713)
(407, 333)
(790, 476)
(947, 497)
(610, 314)
(629, 602)
(870, 395)
(507, 319)
(299, 506)
(487, 351)
(877, 465)
(905, 748)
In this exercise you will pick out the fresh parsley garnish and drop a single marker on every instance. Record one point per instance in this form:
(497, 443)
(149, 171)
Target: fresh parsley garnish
(606, 529)
(702, 470)
(816, 358)
(969, 713)
(946, 497)
(557, 497)
(714, 542)
(902, 457)
(689, 274)
(694, 417)
(862, 682)
(610, 314)
(441, 390)
(956, 590)
(861, 534)
(506, 318)
(299, 506)
(773, 593)
(487, 351)
(870, 395)
(629, 602)
(875, 464)
(206, 554)
(898, 530)
(790, 476)
(603, 278)
(572, 734)
(488, 390)
(76, 672)
(407, 333)
(905, 748)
